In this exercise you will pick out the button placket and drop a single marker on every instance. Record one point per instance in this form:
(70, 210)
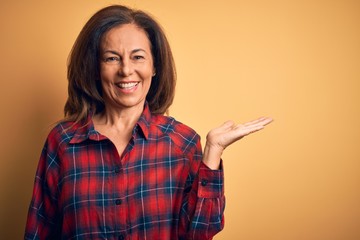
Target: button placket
(117, 169)
(204, 182)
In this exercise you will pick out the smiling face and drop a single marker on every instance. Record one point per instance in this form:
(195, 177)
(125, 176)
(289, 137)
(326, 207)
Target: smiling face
(126, 67)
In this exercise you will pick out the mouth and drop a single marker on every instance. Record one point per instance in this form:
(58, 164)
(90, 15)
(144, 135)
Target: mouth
(127, 85)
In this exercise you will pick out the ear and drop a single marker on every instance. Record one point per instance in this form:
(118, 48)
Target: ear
(154, 72)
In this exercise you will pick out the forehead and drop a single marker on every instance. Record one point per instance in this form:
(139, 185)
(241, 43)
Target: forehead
(125, 36)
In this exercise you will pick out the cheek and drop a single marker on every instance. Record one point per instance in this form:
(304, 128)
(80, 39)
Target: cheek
(106, 84)
(148, 79)
(148, 72)
(106, 76)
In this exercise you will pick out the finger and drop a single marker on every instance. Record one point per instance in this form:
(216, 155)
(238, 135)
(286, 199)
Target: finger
(238, 134)
(242, 128)
(256, 121)
(260, 121)
(251, 129)
(267, 120)
(226, 125)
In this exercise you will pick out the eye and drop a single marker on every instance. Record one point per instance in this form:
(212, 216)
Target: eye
(138, 57)
(112, 59)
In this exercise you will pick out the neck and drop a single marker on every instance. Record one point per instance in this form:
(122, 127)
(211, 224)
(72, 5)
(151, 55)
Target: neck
(119, 117)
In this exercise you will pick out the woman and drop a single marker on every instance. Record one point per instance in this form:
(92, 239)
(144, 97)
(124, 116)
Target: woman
(116, 167)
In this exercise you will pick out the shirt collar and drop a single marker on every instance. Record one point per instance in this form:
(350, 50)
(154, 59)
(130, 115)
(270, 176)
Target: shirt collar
(145, 120)
(85, 129)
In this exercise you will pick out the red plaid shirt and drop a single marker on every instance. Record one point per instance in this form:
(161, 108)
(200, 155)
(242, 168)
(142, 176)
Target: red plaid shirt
(157, 189)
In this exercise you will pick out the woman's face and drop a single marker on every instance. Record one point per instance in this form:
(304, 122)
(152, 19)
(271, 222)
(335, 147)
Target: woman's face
(126, 67)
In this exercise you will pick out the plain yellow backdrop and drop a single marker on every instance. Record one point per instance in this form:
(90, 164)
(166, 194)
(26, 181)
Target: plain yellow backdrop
(297, 61)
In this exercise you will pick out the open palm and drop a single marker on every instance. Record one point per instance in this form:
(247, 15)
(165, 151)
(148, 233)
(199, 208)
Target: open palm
(221, 137)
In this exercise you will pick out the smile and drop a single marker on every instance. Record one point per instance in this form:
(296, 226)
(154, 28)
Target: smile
(128, 85)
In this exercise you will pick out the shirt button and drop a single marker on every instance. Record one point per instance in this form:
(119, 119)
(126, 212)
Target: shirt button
(121, 237)
(117, 170)
(204, 182)
(118, 201)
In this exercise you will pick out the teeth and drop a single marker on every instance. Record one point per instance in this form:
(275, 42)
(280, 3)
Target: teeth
(127, 85)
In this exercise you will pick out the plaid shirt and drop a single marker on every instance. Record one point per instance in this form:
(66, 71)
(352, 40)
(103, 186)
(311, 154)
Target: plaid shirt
(157, 189)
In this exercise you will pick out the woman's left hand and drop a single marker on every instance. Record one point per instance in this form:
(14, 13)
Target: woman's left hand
(220, 138)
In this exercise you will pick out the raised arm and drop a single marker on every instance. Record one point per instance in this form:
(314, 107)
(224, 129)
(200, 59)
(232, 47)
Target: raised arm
(221, 137)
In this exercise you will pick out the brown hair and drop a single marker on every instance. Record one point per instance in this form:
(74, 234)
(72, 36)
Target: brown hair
(84, 90)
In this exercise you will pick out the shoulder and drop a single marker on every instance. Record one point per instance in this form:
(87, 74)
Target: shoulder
(61, 134)
(181, 135)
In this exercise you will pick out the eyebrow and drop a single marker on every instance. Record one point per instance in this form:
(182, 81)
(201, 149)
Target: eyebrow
(132, 51)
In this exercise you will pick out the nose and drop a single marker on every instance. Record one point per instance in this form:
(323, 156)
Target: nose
(126, 68)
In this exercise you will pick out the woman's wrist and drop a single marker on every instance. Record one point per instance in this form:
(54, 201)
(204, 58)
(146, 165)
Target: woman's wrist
(212, 156)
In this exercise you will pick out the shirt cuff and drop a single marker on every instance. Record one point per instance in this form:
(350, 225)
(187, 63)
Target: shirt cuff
(211, 182)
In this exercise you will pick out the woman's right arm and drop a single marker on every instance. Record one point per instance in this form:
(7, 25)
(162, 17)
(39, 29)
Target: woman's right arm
(43, 216)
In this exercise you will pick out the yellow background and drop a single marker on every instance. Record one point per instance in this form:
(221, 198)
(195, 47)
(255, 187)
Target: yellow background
(297, 61)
